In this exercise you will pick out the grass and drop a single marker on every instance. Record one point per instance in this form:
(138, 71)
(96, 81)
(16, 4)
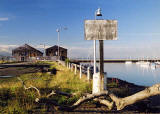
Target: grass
(5, 61)
(1, 62)
(14, 99)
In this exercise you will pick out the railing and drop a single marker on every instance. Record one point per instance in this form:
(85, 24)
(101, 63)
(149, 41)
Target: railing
(82, 70)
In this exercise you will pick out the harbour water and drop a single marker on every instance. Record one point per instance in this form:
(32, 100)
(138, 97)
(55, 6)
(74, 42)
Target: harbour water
(140, 75)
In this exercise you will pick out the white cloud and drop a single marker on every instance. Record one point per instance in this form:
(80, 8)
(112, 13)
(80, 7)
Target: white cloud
(141, 34)
(4, 19)
(7, 48)
(115, 51)
(41, 46)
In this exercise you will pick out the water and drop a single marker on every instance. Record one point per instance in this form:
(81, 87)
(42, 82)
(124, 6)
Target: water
(6, 76)
(133, 73)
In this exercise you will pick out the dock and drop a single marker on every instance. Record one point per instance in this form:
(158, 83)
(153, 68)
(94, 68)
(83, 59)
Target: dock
(113, 60)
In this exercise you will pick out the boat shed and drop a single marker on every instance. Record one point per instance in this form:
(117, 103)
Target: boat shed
(52, 52)
(26, 53)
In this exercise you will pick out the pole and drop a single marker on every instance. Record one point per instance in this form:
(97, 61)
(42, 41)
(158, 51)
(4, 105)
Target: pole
(58, 43)
(94, 45)
(101, 65)
(44, 51)
(94, 56)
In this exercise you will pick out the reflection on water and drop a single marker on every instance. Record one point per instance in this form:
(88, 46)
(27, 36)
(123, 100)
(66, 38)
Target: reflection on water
(140, 75)
(6, 76)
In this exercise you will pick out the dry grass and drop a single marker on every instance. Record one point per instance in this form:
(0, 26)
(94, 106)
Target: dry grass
(14, 99)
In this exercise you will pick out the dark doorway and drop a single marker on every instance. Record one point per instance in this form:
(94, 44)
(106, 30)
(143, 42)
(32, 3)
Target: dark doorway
(22, 58)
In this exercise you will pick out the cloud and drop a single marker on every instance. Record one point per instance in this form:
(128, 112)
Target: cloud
(41, 46)
(115, 51)
(4, 19)
(6, 48)
(140, 34)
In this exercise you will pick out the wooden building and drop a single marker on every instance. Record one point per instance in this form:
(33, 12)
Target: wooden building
(53, 52)
(26, 53)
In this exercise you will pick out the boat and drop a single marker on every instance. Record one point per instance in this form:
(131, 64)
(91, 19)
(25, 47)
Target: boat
(128, 62)
(143, 63)
(157, 63)
(153, 66)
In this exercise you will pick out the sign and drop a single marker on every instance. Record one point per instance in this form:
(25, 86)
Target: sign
(100, 29)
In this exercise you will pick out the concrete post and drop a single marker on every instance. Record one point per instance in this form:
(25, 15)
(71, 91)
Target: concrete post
(88, 73)
(75, 70)
(80, 70)
(71, 67)
(96, 83)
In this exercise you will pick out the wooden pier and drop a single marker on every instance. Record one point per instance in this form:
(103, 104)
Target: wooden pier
(113, 60)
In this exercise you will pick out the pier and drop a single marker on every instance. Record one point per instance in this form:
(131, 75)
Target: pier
(114, 60)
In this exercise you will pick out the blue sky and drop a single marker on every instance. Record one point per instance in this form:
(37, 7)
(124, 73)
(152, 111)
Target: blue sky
(35, 22)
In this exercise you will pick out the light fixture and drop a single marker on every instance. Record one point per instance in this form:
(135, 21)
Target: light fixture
(98, 12)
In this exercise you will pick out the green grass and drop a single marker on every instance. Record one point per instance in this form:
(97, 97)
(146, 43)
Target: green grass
(112, 84)
(8, 62)
(1, 62)
(14, 99)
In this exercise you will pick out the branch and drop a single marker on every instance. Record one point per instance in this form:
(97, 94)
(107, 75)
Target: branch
(61, 93)
(106, 103)
(148, 92)
(30, 87)
(52, 93)
(84, 99)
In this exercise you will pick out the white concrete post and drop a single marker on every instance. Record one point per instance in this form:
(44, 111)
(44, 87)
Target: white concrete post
(80, 70)
(75, 70)
(96, 83)
(88, 73)
(71, 67)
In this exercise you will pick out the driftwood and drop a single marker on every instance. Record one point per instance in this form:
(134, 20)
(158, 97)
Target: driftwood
(148, 92)
(88, 98)
(61, 93)
(105, 102)
(120, 103)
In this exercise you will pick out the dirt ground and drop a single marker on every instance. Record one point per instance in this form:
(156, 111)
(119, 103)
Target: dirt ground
(16, 71)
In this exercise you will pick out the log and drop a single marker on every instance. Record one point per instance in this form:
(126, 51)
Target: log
(148, 92)
(30, 87)
(61, 93)
(84, 99)
(105, 102)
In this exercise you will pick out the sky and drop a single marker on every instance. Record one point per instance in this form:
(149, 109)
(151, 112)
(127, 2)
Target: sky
(35, 22)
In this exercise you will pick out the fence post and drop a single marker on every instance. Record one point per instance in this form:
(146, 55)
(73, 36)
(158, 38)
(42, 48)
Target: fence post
(71, 67)
(80, 70)
(88, 73)
(75, 70)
